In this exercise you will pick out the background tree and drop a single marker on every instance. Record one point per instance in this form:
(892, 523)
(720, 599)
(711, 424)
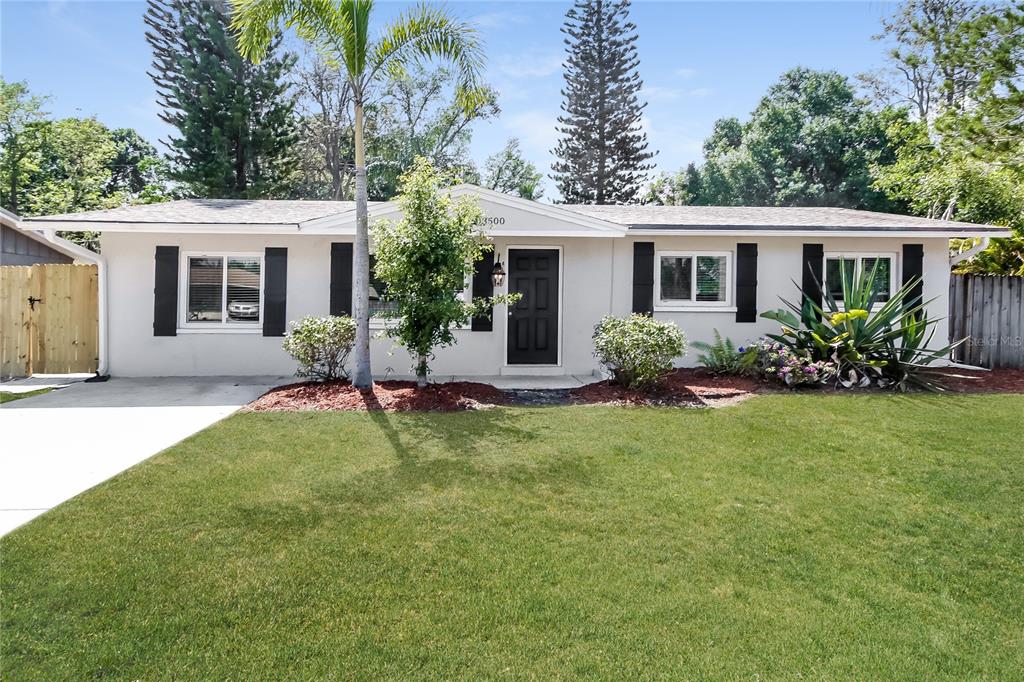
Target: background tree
(602, 154)
(508, 171)
(20, 116)
(339, 29)
(922, 72)
(809, 142)
(326, 147)
(418, 114)
(425, 259)
(235, 120)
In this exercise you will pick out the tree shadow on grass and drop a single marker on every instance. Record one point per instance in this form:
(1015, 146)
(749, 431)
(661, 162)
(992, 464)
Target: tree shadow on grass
(436, 452)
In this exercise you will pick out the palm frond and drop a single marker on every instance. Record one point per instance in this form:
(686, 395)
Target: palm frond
(424, 33)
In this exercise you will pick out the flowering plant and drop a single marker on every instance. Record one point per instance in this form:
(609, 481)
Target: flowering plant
(792, 367)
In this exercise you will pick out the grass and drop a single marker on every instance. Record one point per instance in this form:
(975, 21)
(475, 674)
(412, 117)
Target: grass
(865, 537)
(7, 397)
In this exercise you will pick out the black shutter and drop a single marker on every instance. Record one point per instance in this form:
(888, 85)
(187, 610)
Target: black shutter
(913, 269)
(746, 282)
(341, 278)
(813, 262)
(483, 287)
(643, 277)
(275, 290)
(165, 292)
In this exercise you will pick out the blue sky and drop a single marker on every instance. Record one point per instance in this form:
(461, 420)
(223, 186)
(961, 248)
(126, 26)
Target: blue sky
(699, 61)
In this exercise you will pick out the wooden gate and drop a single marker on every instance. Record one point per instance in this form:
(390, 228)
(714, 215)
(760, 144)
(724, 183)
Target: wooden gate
(49, 319)
(988, 311)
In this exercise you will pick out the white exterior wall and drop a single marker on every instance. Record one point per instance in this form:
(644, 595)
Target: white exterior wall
(779, 265)
(597, 276)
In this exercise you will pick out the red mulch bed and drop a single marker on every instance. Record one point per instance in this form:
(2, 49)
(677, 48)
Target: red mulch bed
(389, 396)
(979, 381)
(681, 388)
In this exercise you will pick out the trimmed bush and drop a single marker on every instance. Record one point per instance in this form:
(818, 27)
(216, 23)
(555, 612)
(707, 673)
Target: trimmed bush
(637, 350)
(321, 346)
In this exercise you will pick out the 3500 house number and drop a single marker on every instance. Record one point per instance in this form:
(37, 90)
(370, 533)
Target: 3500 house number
(488, 221)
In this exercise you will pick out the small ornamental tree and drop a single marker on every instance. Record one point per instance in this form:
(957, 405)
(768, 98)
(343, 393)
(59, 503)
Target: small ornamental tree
(425, 259)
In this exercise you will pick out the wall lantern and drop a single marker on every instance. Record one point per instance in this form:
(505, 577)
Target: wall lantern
(497, 274)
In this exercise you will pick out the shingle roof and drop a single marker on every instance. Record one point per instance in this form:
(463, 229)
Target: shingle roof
(749, 218)
(214, 211)
(635, 217)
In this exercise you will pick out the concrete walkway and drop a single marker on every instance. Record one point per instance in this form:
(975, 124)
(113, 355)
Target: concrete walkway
(57, 445)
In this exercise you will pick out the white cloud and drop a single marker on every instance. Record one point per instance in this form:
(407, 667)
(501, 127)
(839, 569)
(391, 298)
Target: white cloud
(499, 19)
(536, 130)
(530, 64)
(660, 93)
(686, 72)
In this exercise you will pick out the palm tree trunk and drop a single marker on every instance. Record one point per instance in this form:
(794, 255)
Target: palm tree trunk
(362, 378)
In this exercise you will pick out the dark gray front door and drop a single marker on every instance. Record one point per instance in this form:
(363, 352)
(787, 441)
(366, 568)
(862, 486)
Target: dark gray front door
(533, 321)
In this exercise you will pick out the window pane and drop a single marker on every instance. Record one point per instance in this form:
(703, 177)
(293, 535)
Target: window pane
(711, 278)
(676, 273)
(882, 275)
(379, 307)
(205, 289)
(244, 290)
(836, 269)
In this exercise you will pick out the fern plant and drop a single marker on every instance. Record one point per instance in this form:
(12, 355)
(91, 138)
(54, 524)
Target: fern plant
(720, 357)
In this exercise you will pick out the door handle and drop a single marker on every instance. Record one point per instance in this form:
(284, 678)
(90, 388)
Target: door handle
(32, 300)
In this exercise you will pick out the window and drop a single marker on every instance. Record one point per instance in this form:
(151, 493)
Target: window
(849, 266)
(693, 279)
(222, 291)
(379, 306)
(382, 308)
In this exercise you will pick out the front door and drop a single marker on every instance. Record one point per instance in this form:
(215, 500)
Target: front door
(533, 321)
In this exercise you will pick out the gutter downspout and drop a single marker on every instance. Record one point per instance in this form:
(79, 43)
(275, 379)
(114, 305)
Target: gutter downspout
(969, 253)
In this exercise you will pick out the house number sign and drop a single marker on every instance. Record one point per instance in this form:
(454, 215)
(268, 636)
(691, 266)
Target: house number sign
(490, 221)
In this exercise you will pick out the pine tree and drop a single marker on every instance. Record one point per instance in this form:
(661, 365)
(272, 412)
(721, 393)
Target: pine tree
(235, 120)
(602, 155)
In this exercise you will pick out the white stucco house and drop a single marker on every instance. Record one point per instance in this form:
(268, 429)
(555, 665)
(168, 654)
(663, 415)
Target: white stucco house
(207, 287)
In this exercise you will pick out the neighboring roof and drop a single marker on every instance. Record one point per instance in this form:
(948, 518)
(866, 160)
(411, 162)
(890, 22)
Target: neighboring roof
(212, 212)
(752, 218)
(69, 249)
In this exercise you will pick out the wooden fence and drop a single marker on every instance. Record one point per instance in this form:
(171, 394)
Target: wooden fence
(49, 319)
(989, 312)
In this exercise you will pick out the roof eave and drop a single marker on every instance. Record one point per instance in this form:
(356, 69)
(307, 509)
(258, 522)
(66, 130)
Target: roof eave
(193, 228)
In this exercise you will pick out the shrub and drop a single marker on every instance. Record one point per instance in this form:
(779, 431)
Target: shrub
(885, 345)
(775, 360)
(720, 357)
(321, 346)
(637, 350)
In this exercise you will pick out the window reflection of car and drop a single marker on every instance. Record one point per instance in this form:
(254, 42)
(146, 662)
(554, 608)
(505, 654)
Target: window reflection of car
(240, 310)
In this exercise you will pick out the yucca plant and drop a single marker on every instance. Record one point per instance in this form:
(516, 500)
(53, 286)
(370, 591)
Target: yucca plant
(885, 345)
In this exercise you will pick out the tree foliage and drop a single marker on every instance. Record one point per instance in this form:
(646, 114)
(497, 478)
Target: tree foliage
(234, 120)
(809, 142)
(339, 29)
(508, 171)
(602, 153)
(425, 259)
(21, 114)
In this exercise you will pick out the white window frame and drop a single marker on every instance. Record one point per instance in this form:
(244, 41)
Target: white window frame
(858, 256)
(223, 327)
(674, 305)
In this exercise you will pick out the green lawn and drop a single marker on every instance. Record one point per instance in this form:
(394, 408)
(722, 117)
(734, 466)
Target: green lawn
(6, 396)
(791, 536)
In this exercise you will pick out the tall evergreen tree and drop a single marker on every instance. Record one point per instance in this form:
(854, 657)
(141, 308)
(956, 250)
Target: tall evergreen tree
(235, 119)
(602, 155)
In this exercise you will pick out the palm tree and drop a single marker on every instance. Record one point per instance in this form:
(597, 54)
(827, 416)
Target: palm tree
(339, 30)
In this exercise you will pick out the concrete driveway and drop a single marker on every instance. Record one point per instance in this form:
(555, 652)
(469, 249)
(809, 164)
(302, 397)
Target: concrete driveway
(55, 446)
